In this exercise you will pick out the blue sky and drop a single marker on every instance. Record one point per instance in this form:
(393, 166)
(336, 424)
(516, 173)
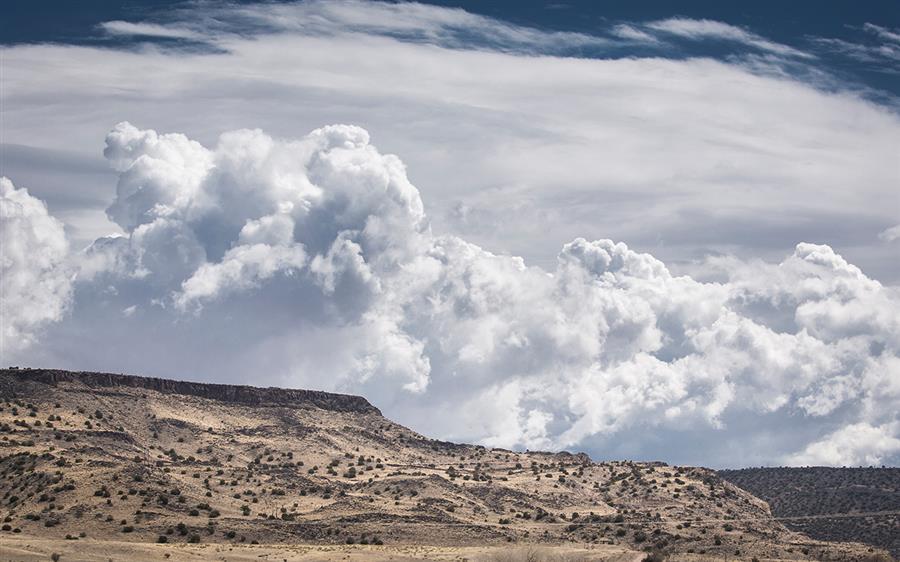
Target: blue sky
(647, 232)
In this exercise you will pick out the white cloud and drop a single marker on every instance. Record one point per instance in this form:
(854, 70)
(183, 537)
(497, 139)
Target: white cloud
(316, 266)
(886, 53)
(448, 27)
(890, 35)
(632, 33)
(35, 282)
(711, 29)
(119, 27)
(890, 234)
(241, 268)
(287, 244)
(855, 445)
(770, 144)
(880, 49)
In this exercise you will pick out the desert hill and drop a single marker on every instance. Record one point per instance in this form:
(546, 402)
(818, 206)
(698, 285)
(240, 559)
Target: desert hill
(814, 491)
(104, 457)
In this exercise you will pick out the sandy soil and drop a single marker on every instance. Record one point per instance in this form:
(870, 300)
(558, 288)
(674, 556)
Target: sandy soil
(26, 549)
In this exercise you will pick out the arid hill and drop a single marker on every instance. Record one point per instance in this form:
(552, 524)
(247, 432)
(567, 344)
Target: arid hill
(100, 457)
(821, 491)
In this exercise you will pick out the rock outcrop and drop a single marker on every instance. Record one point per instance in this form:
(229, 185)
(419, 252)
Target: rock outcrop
(238, 394)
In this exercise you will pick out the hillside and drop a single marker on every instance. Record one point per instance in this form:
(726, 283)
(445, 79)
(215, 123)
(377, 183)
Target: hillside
(121, 458)
(817, 491)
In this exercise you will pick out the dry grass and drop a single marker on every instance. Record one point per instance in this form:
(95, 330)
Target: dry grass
(533, 554)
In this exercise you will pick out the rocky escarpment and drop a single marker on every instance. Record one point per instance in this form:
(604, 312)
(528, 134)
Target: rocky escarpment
(237, 394)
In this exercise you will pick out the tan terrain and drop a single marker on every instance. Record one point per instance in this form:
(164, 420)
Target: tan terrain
(98, 466)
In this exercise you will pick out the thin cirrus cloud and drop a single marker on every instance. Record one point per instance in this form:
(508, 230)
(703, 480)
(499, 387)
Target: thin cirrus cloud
(448, 27)
(700, 29)
(733, 314)
(124, 28)
(880, 48)
(630, 32)
(891, 35)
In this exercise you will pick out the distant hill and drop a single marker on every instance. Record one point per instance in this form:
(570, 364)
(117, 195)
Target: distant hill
(817, 491)
(116, 458)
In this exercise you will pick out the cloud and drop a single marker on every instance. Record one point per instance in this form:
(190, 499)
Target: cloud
(35, 283)
(854, 445)
(890, 35)
(890, 234)
(125, 28)
(448, 27)
(315, 256)
(241, 267)
(219, 25)
(738, 152)
(630, 32)
(879, 49)
(711, 29)
(887, 53)
(310, 261)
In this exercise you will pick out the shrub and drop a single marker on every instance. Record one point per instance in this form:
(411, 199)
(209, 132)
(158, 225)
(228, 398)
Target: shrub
(640, 536)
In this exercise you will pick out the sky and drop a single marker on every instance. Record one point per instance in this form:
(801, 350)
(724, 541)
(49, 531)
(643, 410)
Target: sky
(631, 229)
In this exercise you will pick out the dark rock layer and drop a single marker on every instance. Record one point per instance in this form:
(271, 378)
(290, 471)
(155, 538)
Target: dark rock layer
(240, 394)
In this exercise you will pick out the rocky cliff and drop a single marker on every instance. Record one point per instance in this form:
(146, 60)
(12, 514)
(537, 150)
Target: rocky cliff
(237, 394)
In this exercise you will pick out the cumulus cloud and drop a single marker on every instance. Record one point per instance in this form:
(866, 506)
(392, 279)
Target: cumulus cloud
(321, 251)
(35, 282)
(310, 262)
(241, 267)
(855, 445)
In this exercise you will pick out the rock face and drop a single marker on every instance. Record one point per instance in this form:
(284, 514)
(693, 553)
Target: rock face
(123, 458)
(250, 395)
